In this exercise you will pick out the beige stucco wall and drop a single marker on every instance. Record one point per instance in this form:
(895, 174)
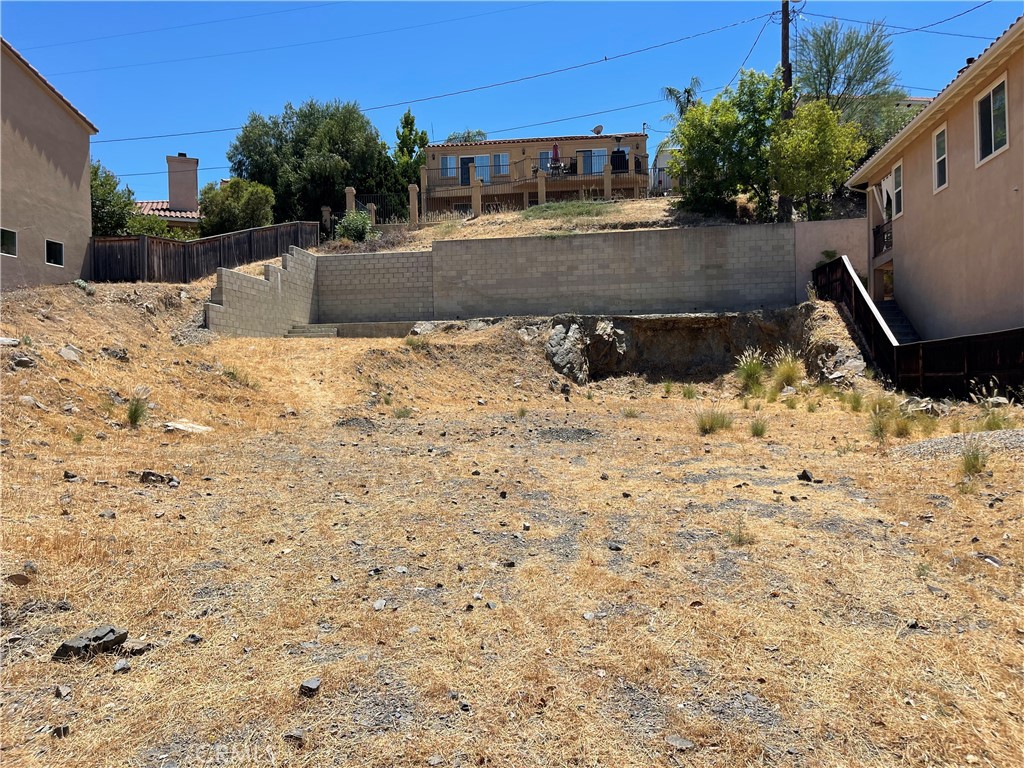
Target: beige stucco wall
(958, 254)
(44, 179)
(847, 237)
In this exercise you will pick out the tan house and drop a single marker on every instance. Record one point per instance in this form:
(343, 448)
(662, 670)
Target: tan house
(518, 173)
(181, 208)
(946, 202)
(45, 203)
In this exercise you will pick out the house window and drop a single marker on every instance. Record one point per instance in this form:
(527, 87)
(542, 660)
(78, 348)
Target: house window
(940, 179)
(449, 167)
(9, 242)
(500, 163)
(54, 253)
(897, 190)
(592, 161)
(483, 168)
(990, 108)
(544, 161)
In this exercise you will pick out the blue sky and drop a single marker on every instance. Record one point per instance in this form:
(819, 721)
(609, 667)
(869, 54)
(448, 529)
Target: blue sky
(124, 66)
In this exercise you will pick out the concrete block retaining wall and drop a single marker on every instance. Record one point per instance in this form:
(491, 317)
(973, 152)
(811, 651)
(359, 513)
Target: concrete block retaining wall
(702, 269)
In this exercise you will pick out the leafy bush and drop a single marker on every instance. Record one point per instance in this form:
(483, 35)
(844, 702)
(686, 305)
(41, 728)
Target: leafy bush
(355, 226)
(711, 420)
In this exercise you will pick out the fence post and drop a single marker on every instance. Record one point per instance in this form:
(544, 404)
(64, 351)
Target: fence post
(372, 210)
(542, 193)
(607, 181)
(145, 258)
(478, 186)
(414, 211)
(423, 190)
(350, 199)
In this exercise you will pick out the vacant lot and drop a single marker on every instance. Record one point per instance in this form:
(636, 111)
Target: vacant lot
(480, 571)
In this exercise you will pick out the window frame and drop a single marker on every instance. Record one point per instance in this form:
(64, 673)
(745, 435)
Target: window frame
(450, 173)
(500, 163)
(897, 192)
(5, 253)
(987, 91)
(935, 160)
(46, 253)
(482, 170)
(544, 164)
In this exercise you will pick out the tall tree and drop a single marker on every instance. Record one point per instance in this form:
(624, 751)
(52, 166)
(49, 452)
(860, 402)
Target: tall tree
(850, 69)
(681, 99)
(307, 156)
(467, 136)
(112, 207)
(813, 153)
(409, 155)
(237, 205)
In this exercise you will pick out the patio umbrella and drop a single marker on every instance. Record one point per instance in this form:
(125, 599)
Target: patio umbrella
(554, 154)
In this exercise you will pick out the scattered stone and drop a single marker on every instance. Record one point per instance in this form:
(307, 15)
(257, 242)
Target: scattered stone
(491, 605)
(615, 546)
(940, 593)
(503, 494)
(18, 579)
(806, 476)
(437, 759)
(526, 526)
(679, 743)
(604, 475)
(508, 563)
(589, 616)
(30, 567)
(116, 353)
(7, 341)
(379, 605)
(122, 667)
(71, 477)
(310, 687)
(70, 353)
(295, 737)
(22, 361)
(184, 425)
(108, 514)
(96, 640)
(990, 559)
(60, 731)
(152, 478)
(193, 639)
(135, 647)
(62, 691)
(626, 495)
(101, 435)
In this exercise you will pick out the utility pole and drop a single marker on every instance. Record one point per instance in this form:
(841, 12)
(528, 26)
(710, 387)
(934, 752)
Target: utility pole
(786, 203)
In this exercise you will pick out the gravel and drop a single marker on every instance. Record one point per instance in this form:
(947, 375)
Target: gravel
(997, 440)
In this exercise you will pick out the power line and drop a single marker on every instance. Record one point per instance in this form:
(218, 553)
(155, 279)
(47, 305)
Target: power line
(169, 172)
(943, 21)
(575, 117)
(904, 29)
(178, 26)
(292, 45)
(524, 78)
(756, 40)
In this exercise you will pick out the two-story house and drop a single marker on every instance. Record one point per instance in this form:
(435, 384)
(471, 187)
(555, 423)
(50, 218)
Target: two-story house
(518, 173)
(45, 200)
(946, 202)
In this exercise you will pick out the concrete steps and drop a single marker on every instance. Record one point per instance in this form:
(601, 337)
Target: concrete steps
(898, 323)
(382, 330)
(313, 331)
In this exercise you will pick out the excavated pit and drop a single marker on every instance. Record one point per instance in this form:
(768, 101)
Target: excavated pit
(696, 347)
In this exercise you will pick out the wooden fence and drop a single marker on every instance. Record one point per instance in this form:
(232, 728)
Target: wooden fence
(159, 260)
(938, 368)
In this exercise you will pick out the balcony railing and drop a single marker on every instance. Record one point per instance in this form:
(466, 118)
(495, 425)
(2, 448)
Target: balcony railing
(883, 238)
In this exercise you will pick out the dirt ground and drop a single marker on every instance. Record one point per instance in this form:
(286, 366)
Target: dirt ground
(479, 570)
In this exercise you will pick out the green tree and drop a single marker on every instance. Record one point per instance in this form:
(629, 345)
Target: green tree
(467, 136)
(724, 146)
(307, 156)
(813, 153)
(409, 154)
(112, 208)
(239, 204)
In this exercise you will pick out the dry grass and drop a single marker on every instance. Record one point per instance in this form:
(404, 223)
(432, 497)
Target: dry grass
(767, 631)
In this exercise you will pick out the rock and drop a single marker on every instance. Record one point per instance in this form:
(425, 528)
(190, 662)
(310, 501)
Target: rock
(108, 514)
(806, 476)
(296, 737)
(116, 353)
(60, 731)
(491, 605)
(153, 478)
(70, 353)
(99, 639)
(32, 402)
(310, 687)
(17, 579)
(379, 605)
(135, 647)
(29, 567)
(7, 341)
(615, 546)
(421, 328)
(122, 667)
(193, 639)
(589, 616)
(184, 425)
(101, 435)
(437, 759)
(679, 743)
(71, 477)
(788, 391)
(566, 351)
(62, 691)
(22, 361)
(526, 526)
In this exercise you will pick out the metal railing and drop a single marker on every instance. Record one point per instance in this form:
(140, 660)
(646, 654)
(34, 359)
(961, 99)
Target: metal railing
(883, 238)
(390, 207)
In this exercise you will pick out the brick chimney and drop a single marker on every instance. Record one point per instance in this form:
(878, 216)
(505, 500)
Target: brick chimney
(182, 182)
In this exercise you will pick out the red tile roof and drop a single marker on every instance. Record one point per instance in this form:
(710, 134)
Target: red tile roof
(7, 46)
(162, 209)
(542, 139)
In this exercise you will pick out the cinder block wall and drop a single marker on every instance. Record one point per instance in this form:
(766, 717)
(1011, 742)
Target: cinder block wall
(375, 287)
(243, 305)
(705, 269)
(847, 237)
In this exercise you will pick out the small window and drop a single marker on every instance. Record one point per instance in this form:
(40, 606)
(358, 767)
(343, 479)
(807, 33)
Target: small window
(939, 146)
(991, 121)
(54, 253)
(448, 166)
(500, 163)
(9, 242)
(897, 190)
(544, 161)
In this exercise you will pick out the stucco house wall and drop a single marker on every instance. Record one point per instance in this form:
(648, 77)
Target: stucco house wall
(44, 176)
